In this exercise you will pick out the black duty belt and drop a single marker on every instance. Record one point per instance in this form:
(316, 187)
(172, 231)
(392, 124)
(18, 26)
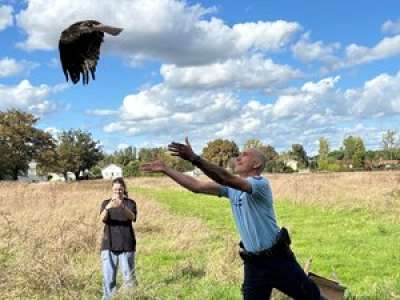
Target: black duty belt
(281, 245)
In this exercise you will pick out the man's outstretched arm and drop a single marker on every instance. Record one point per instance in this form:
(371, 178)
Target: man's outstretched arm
(216, 173)
(186, 181)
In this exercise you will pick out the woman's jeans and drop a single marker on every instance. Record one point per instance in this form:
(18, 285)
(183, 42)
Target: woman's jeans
(110, 261)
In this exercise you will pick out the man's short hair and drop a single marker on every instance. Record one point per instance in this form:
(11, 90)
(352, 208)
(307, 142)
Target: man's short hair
(261, 157)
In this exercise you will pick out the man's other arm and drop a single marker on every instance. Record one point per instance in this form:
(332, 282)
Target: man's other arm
(188, 182)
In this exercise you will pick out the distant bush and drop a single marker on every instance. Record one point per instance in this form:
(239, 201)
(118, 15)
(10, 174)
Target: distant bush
(132, 169)
(95, 173)
(330, 166)
(277, 166)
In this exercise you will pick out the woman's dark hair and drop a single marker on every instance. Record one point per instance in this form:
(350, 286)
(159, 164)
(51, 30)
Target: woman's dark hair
(121, 181)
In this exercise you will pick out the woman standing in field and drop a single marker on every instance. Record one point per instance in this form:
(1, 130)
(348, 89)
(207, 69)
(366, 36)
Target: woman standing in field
(119, 243)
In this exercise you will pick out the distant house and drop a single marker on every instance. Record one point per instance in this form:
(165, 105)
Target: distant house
(56, 177)
(83, 174)
(382, 164)
(388, 164)
(70, 176)
(31, 174)
(294, 164)
(111, 171)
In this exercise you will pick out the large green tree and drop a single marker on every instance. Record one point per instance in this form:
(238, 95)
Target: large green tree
(77, 151)
(220, 152)
(390, 144)
(269, 151)
(132, 169)
(354, 151)
(253, 143)
(323, 153)
(21, 142)
(124, 156)
(174, 162)
(299, 154)
(335, 155)
(149, 154)
(5, 161)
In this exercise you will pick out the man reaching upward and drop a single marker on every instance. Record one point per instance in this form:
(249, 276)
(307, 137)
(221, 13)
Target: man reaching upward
(268, 260)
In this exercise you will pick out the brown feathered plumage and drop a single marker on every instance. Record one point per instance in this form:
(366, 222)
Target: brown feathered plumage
(79, 47)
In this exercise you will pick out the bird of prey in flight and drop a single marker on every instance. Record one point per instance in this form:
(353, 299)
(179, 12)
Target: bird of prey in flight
(79, 47)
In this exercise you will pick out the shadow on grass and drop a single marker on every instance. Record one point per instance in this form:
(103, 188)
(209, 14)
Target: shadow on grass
(149, 229)
(187, 271)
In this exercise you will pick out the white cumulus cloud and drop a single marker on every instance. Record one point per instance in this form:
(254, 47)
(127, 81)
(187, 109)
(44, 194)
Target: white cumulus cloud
(6, 16)
(102, 112)
(392, 27)
(26, 97)
(53, 131)
(246, 73)
(352, 55)
(308, 51)
(357, 55)
(163, 111)
(12, 67)
(378, 97)
(301, 115)
(310, 99)
(265, 35)
(170, 30)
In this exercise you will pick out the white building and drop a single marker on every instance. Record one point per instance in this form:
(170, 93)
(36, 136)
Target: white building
(56, 177)
(292, 164)
(31, 174)
(70, 176)
(111, 171)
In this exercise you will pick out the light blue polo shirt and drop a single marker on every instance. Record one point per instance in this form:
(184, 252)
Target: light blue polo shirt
(254, 214)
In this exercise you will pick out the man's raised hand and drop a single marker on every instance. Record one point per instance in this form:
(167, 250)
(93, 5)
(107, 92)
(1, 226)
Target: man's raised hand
(154, 166)
(184, 151)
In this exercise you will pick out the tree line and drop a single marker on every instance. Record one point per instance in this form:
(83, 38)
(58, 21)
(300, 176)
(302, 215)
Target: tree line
(76, 151)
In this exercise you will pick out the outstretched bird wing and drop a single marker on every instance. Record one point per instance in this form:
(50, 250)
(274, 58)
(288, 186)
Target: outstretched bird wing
(79, 47)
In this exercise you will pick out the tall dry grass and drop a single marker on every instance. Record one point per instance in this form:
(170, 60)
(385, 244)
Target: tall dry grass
(46, 229)
(377, 192)
(50, 238)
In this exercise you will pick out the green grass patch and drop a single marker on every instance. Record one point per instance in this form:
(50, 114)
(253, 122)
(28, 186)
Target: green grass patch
(358, 248)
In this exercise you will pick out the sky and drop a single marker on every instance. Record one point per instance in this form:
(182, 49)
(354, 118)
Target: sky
(284, 72)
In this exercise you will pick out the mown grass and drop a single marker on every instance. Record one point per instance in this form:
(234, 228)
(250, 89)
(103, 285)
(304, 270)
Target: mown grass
(358, 248)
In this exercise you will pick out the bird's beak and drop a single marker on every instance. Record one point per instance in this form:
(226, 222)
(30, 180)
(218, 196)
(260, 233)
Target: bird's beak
(109, 29)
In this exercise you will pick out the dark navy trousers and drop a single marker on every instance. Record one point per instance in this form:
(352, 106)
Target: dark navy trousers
(280, 271)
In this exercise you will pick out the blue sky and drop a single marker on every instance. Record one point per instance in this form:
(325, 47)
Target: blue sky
(282, 71)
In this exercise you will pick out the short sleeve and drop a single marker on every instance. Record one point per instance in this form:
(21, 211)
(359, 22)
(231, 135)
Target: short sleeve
(223, 191)
(103, 205)
(260, 189)
(131, 204)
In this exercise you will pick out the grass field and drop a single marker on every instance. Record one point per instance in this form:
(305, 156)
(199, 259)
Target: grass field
(187, 244)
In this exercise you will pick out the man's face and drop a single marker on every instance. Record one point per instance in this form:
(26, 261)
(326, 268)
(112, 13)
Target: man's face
(118, 191)
(244, 162)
